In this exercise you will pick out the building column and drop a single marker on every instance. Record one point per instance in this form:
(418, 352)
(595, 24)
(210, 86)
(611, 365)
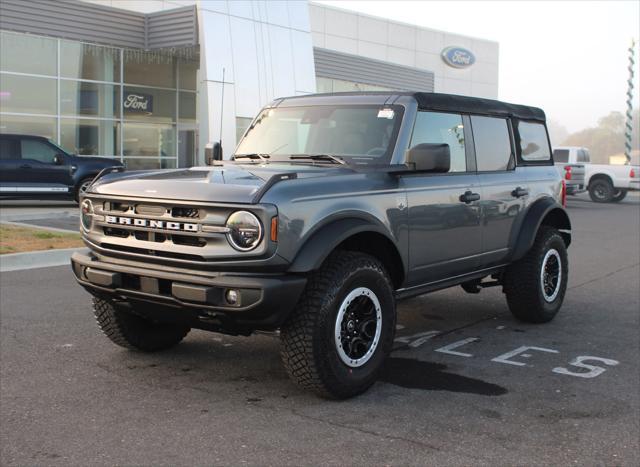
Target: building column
(216, 115)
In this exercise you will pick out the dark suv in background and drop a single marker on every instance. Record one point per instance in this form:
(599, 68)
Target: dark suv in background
(34, 167)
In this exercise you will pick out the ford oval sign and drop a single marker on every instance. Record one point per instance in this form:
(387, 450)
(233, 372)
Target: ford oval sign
(458, 57)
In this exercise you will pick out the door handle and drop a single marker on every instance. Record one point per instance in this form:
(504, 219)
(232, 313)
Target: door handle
(469, 197)
(25, 166)
(519, 192)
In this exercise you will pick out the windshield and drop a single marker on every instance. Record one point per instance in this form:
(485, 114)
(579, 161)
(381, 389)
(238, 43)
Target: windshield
(358, 134)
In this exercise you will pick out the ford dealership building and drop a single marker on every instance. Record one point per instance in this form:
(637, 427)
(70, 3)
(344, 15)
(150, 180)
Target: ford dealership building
(151, 82)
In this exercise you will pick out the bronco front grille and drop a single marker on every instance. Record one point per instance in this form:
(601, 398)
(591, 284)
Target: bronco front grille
(159, 229)
(182, 231)
(185, 212)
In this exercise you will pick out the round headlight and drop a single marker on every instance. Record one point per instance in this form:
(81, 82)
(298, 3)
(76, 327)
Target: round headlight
(86, 214)
(245, 230)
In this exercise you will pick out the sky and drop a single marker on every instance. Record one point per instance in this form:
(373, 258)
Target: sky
(568, 57)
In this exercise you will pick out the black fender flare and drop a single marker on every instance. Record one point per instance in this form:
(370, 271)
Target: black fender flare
(544, 208)
(326, 238)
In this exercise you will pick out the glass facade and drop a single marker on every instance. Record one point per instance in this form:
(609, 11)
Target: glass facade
(136, 106)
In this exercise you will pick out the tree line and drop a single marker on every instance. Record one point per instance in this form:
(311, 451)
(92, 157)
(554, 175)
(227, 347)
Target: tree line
(604, 140)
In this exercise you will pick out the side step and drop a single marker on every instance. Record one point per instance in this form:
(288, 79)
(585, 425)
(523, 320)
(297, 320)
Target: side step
(476, 285)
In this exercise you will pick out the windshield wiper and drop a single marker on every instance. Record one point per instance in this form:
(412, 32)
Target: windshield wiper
(318, 157)
(263, 157)
(254, 156)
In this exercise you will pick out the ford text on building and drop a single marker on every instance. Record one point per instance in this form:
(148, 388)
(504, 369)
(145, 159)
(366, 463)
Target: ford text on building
(458, 57)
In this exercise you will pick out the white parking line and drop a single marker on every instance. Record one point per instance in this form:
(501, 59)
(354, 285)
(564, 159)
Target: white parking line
(504, 358)
(448, 349)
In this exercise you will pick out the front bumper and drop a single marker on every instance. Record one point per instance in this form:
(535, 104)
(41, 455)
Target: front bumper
(265, 300)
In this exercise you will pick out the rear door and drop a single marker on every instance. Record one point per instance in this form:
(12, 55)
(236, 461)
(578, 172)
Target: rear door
(505, 187)
(444, 211)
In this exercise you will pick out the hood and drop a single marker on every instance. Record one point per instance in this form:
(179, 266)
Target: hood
(224, 183)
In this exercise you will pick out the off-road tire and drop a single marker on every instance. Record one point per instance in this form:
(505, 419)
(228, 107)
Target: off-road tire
(76, 195)
(601, 191)
(135, 332)
(619, 195)
(522, 280)
(308, 348)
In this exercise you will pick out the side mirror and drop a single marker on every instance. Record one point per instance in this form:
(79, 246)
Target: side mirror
(213, 152)
(428, 157)
(58, 159)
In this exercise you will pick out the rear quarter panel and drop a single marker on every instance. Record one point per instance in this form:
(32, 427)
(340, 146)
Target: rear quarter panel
(543, 181)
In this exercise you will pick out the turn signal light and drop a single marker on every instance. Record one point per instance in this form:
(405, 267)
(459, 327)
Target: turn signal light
(632, 173)
(274, 229)
(567, 173)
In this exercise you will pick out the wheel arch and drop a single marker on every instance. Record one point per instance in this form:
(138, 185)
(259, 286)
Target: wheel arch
(354, 234)
(545, 211)
(84, 176)
(600, 176)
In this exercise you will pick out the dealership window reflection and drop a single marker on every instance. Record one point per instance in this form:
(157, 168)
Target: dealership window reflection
(88, 137)
(149, 140)
(28, 94)
(89, 99)
(88, 61)
(97, 100)
(24, 53)
(38, 126)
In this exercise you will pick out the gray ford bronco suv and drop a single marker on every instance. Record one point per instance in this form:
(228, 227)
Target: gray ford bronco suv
(332, 208)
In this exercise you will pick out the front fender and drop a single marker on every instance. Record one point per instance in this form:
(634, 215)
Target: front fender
(545, 210)
(324, 240)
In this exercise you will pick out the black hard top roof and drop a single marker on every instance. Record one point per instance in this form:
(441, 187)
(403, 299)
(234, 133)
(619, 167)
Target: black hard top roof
(476, 105)
(436, 101)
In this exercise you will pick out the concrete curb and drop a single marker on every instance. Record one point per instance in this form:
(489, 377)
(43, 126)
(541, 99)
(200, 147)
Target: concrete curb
(36, 259)
(40, 227)
(42, 215)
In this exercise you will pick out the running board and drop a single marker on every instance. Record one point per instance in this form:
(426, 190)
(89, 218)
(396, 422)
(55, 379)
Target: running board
(409, 292)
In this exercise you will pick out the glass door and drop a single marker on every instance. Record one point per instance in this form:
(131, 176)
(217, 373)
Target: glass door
(187, 149)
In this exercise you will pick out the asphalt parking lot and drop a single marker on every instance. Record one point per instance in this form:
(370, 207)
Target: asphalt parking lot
(466, 385)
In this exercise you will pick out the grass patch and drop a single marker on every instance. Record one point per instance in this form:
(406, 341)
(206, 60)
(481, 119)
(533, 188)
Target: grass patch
(18, 239)
(46, 235)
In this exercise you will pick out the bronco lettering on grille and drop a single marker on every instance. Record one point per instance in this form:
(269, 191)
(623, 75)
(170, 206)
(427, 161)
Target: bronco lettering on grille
(152, 224)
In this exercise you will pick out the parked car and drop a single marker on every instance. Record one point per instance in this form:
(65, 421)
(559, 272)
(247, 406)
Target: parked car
(333, 208)
(606, 183)
(34, 167)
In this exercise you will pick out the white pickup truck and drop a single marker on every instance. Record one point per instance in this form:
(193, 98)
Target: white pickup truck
(606, 183)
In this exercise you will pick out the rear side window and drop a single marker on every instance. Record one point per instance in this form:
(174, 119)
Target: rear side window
(37, 150)
(439, 128)
(9, 149)
(583, 156)
(493, 144)
(561, 155)
(534, 144)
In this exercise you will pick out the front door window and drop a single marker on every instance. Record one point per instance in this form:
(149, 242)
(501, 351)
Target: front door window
(38, 151)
